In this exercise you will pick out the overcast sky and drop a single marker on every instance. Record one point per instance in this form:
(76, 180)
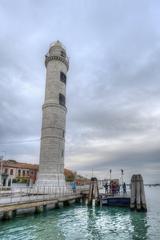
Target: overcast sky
(113, 90)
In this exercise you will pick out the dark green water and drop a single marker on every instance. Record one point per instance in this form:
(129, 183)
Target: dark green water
(80, 222)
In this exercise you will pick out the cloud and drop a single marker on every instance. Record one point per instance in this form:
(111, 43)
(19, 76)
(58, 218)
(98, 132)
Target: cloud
(113, 82)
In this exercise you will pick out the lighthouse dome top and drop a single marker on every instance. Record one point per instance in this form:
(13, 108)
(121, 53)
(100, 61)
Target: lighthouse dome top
(56, 44)
(57, 48)
(57, 52)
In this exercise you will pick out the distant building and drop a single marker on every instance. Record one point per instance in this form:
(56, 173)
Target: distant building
(16, 172)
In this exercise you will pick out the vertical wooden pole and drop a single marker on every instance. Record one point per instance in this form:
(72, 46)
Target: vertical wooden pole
(133, 192)
(138, 193)
(143, 198)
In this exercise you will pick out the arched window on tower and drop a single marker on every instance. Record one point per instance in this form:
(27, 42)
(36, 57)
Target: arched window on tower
(62, 99)
(63, 77)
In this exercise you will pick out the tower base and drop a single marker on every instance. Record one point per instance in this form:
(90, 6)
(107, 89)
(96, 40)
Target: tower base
(54, 180)
(53, 184)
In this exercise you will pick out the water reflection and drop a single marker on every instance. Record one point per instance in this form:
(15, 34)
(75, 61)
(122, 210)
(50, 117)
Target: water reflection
(80, 222)
(140, 226)
(92, 228)
(109, 223)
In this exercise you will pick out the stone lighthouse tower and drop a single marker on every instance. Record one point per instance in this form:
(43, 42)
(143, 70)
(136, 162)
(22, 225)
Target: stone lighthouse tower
(51, 168)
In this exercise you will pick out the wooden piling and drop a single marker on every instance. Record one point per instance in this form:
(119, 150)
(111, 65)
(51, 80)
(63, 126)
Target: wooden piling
(143, 198)
(133, 193)
(138, 200)
(138, 193)
(93, 191)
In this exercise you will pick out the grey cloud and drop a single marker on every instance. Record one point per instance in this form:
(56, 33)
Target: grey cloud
(113, 83)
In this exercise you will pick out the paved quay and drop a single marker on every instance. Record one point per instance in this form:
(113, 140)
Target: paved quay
(30, 199)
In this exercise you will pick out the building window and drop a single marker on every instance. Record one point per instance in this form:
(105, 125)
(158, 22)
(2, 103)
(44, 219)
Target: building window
(23, 172)
(6, 170)
(63, 77)
(19, 172)
(28, 172)
(11, 171)
(63, 54)
(61, 99)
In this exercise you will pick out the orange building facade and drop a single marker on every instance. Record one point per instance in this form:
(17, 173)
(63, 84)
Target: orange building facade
(16, 172)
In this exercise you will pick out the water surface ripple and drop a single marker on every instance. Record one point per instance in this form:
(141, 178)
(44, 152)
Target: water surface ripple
(80, 222)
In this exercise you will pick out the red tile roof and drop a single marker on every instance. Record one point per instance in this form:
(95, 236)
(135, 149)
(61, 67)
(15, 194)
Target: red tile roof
(15, 164)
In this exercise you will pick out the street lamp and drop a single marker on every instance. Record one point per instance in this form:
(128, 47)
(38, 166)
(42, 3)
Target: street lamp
(2, 157)
(122, 173)
(110, 172)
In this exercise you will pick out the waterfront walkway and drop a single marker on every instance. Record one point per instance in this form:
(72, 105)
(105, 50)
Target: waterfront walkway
(37, 198)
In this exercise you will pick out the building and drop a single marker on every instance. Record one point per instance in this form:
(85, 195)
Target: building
(51, 168)
(16, 172)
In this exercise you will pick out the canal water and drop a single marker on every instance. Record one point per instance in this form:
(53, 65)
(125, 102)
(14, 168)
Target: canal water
(80, 222)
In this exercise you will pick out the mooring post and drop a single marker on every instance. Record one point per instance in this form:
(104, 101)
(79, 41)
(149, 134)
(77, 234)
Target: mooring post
(90, 196)
(143, 198)
(133, 193)
(93, 191)
(138, 200)
(138, 194)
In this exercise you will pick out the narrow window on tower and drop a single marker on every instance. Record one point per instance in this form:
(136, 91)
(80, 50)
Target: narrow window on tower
(62, 154)
(63, 133)
(62, 99)
(63, 77)
(63, 54)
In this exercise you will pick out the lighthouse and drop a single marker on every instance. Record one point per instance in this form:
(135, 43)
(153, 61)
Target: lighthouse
(51, 167)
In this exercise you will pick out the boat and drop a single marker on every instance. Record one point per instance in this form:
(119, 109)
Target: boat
(114, 200)
(115, 194)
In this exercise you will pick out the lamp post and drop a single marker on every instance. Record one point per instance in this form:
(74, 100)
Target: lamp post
(2, 157)
(122, 173)
(110, 172)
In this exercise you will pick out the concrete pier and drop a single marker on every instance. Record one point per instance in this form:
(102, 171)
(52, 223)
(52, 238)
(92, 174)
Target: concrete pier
(8, 211)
